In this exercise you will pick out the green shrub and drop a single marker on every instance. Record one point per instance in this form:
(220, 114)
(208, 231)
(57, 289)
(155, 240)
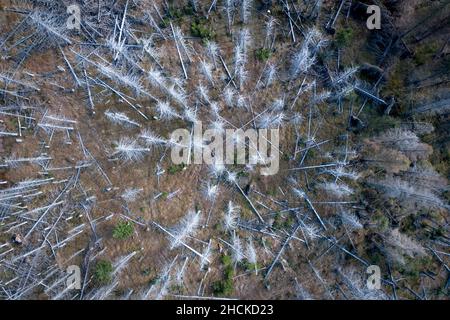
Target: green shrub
(225, 287)
(277, 221)
(165, 22)
(229, 272)
(243, 174)
(201, 30)
(175, 168)
(289, 222)
(175, 13)
(395, 85)
(381, 221)
(103, 272)
(424, 53)
(283, 222)
(123, 230)
(286, 157)
(379, 124)
(407, 225)
(248, 266)
(164, 195)
(188, 9)
(413, 266)
(344, 37)
(437, 233)
(226, 260)
(263, 54)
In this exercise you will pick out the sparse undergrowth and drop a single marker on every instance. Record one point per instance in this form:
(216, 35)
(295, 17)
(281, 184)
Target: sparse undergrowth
(225, 286)
(123, 230)
(103, 272)
(362, 150)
